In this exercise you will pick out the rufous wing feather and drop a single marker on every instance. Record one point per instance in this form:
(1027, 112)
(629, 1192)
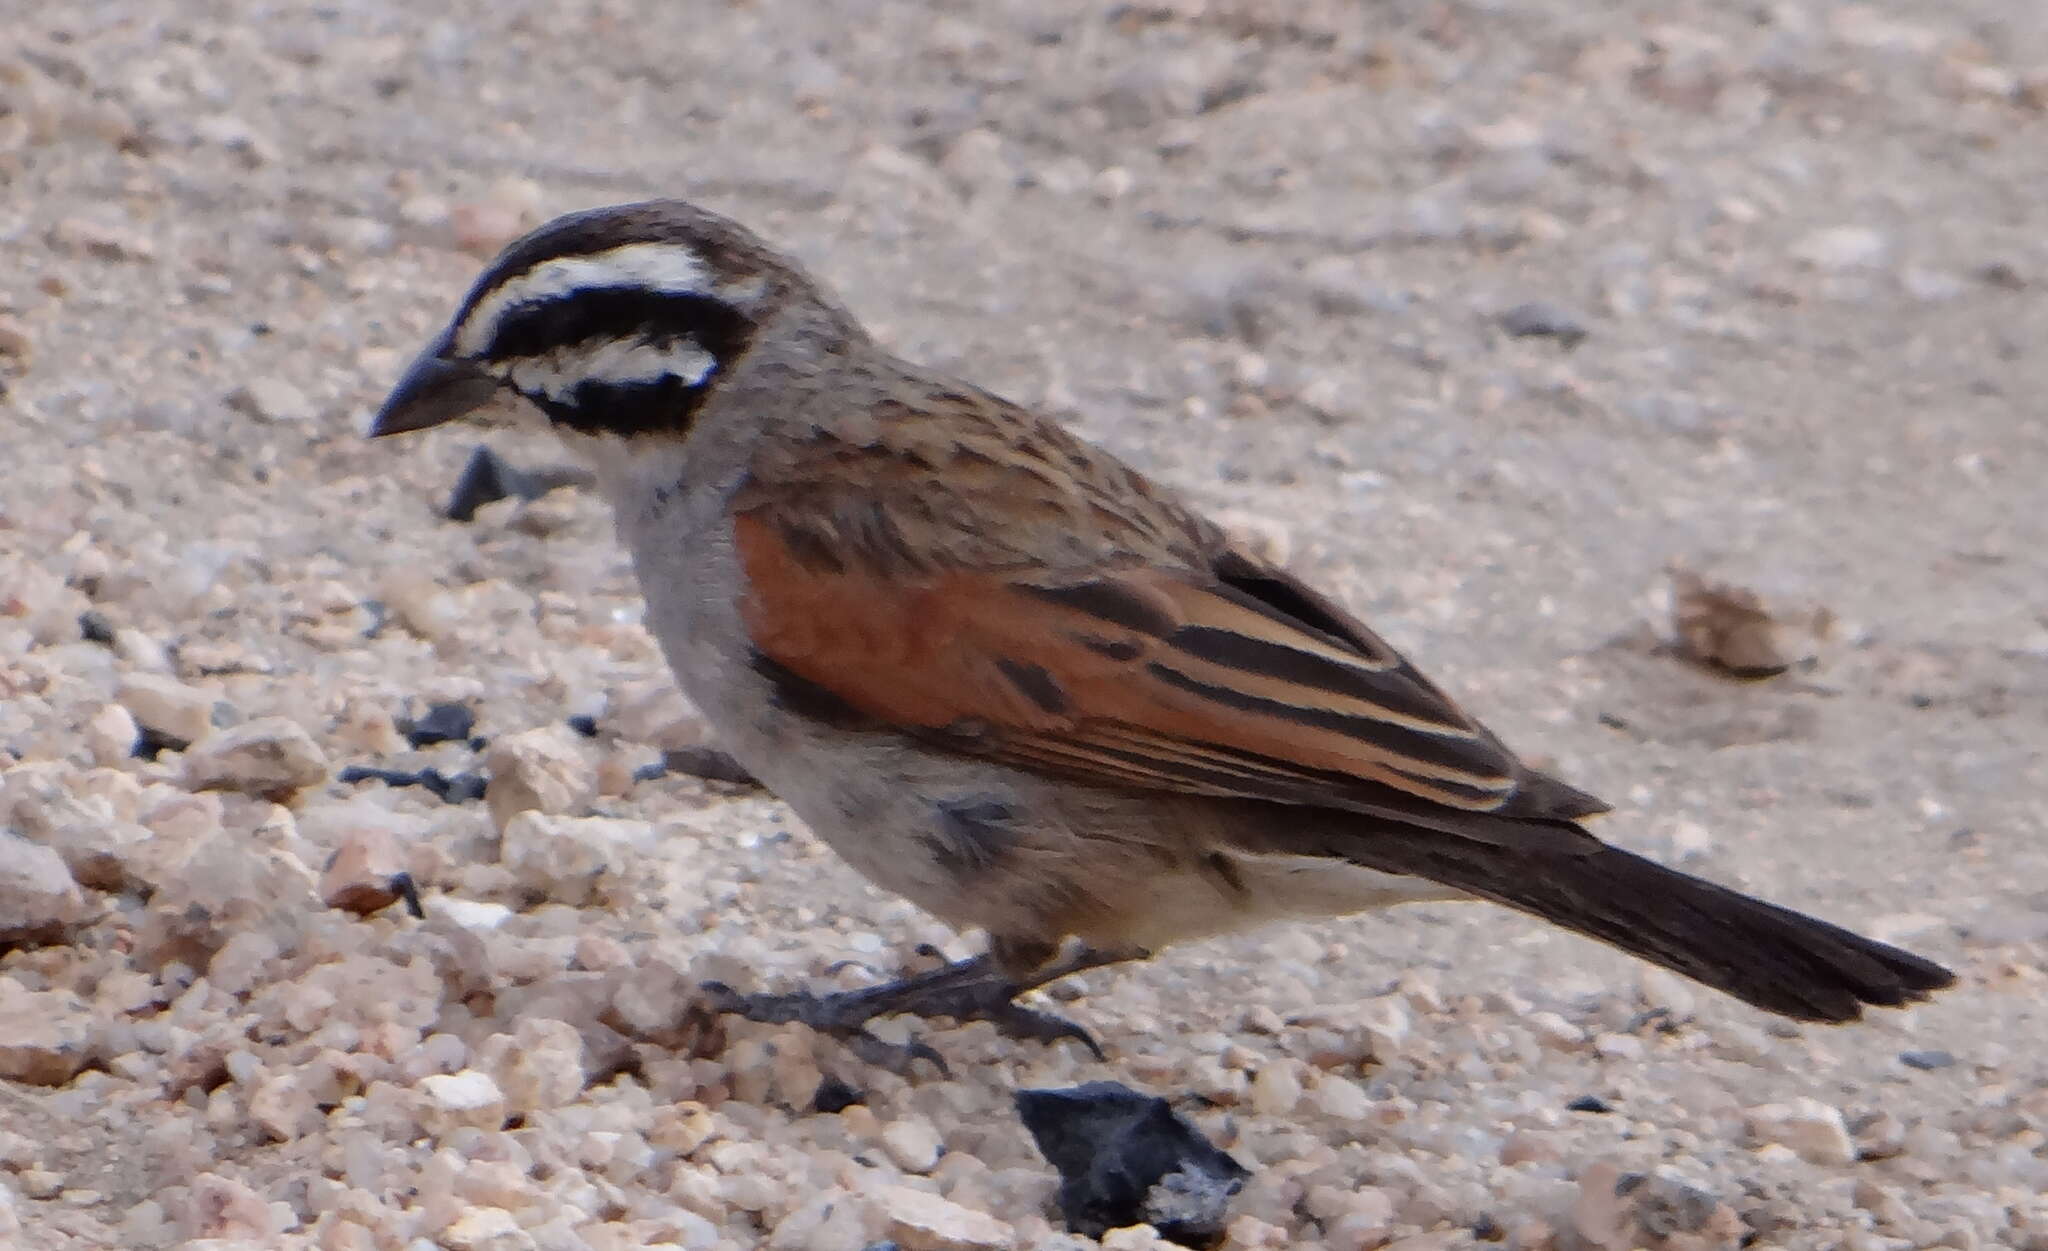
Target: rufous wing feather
(1239, 682)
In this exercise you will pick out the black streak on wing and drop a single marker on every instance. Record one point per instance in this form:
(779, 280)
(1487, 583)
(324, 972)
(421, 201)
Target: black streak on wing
(1107, 601)
(1463, 754)
(1278, 597)
(1115, 649)
(1485, 796)
(1395, 692)
(1036, 685)
(799, 695)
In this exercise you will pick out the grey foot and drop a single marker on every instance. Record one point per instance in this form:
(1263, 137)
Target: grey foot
(975, 989)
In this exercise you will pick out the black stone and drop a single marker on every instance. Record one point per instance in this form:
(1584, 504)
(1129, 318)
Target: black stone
(1588, 1103)
(409, 891)
(488, 477)
(485, 479)
(440, 724)
(584, 724)
(454, 789)
(835, 1095)
(1540, 319)
(149, 744)
(1125, 1157)
(367, 773)
(93, 624)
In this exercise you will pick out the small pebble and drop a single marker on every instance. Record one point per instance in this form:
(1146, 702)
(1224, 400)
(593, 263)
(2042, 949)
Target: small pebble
(920, 1221)
(440, 723)
(39, 900)
(1276, 1089)
(16, 343)
(101, 241)
(111, 735)
(913, 1144)
(1125, 1158)
(485, 1229)
(467, 1098)
(539, 771)
(571, 860)
(453, 788)
(179, 713)
(834, 1095)
(45, 1035)
(1813, 1130)
(1837, 248)
(271, 399)
(270, 756)
(1538, 318)
(364, 874)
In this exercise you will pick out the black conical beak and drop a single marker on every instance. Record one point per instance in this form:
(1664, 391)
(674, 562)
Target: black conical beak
(435, 389)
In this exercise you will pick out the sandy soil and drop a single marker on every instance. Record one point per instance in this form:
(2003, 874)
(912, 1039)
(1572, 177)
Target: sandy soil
(1264, 250)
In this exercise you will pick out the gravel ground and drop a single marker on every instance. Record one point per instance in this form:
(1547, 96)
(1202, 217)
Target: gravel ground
(1483, 313)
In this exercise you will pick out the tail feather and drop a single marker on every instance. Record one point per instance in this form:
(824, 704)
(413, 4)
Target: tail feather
(1777, 959)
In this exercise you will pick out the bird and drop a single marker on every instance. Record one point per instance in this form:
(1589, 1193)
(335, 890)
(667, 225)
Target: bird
(1007, 677)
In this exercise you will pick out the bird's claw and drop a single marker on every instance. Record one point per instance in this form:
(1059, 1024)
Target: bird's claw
(969, 990)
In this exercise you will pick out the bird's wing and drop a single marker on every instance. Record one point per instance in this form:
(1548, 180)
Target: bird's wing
(1228, 679)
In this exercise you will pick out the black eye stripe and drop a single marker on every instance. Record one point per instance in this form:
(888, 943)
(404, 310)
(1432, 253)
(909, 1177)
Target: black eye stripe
(667, 405)
(624, 313)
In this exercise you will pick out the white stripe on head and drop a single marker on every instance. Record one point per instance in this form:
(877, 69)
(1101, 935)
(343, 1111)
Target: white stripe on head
(670, 268)
(611, 362)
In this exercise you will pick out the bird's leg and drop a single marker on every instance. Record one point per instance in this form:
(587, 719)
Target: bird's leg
(979, 988)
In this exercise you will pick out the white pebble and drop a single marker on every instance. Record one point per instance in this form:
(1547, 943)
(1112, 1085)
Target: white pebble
(912, 1143)
(1277, 1088)
(1810, 1128)
(485, 1229)
(110, 735)
(919, 1221)
(167, 706)
(270, 756)
(539, 770)
(466, 1098)
(1619, 1046)
(1341, 1099)
(1841, 247)
(472, 914)
(38, 897)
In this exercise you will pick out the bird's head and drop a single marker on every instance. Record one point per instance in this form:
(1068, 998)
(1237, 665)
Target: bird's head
(616, 321)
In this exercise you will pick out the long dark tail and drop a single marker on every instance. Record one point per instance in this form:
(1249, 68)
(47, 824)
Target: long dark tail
(1775, 958)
